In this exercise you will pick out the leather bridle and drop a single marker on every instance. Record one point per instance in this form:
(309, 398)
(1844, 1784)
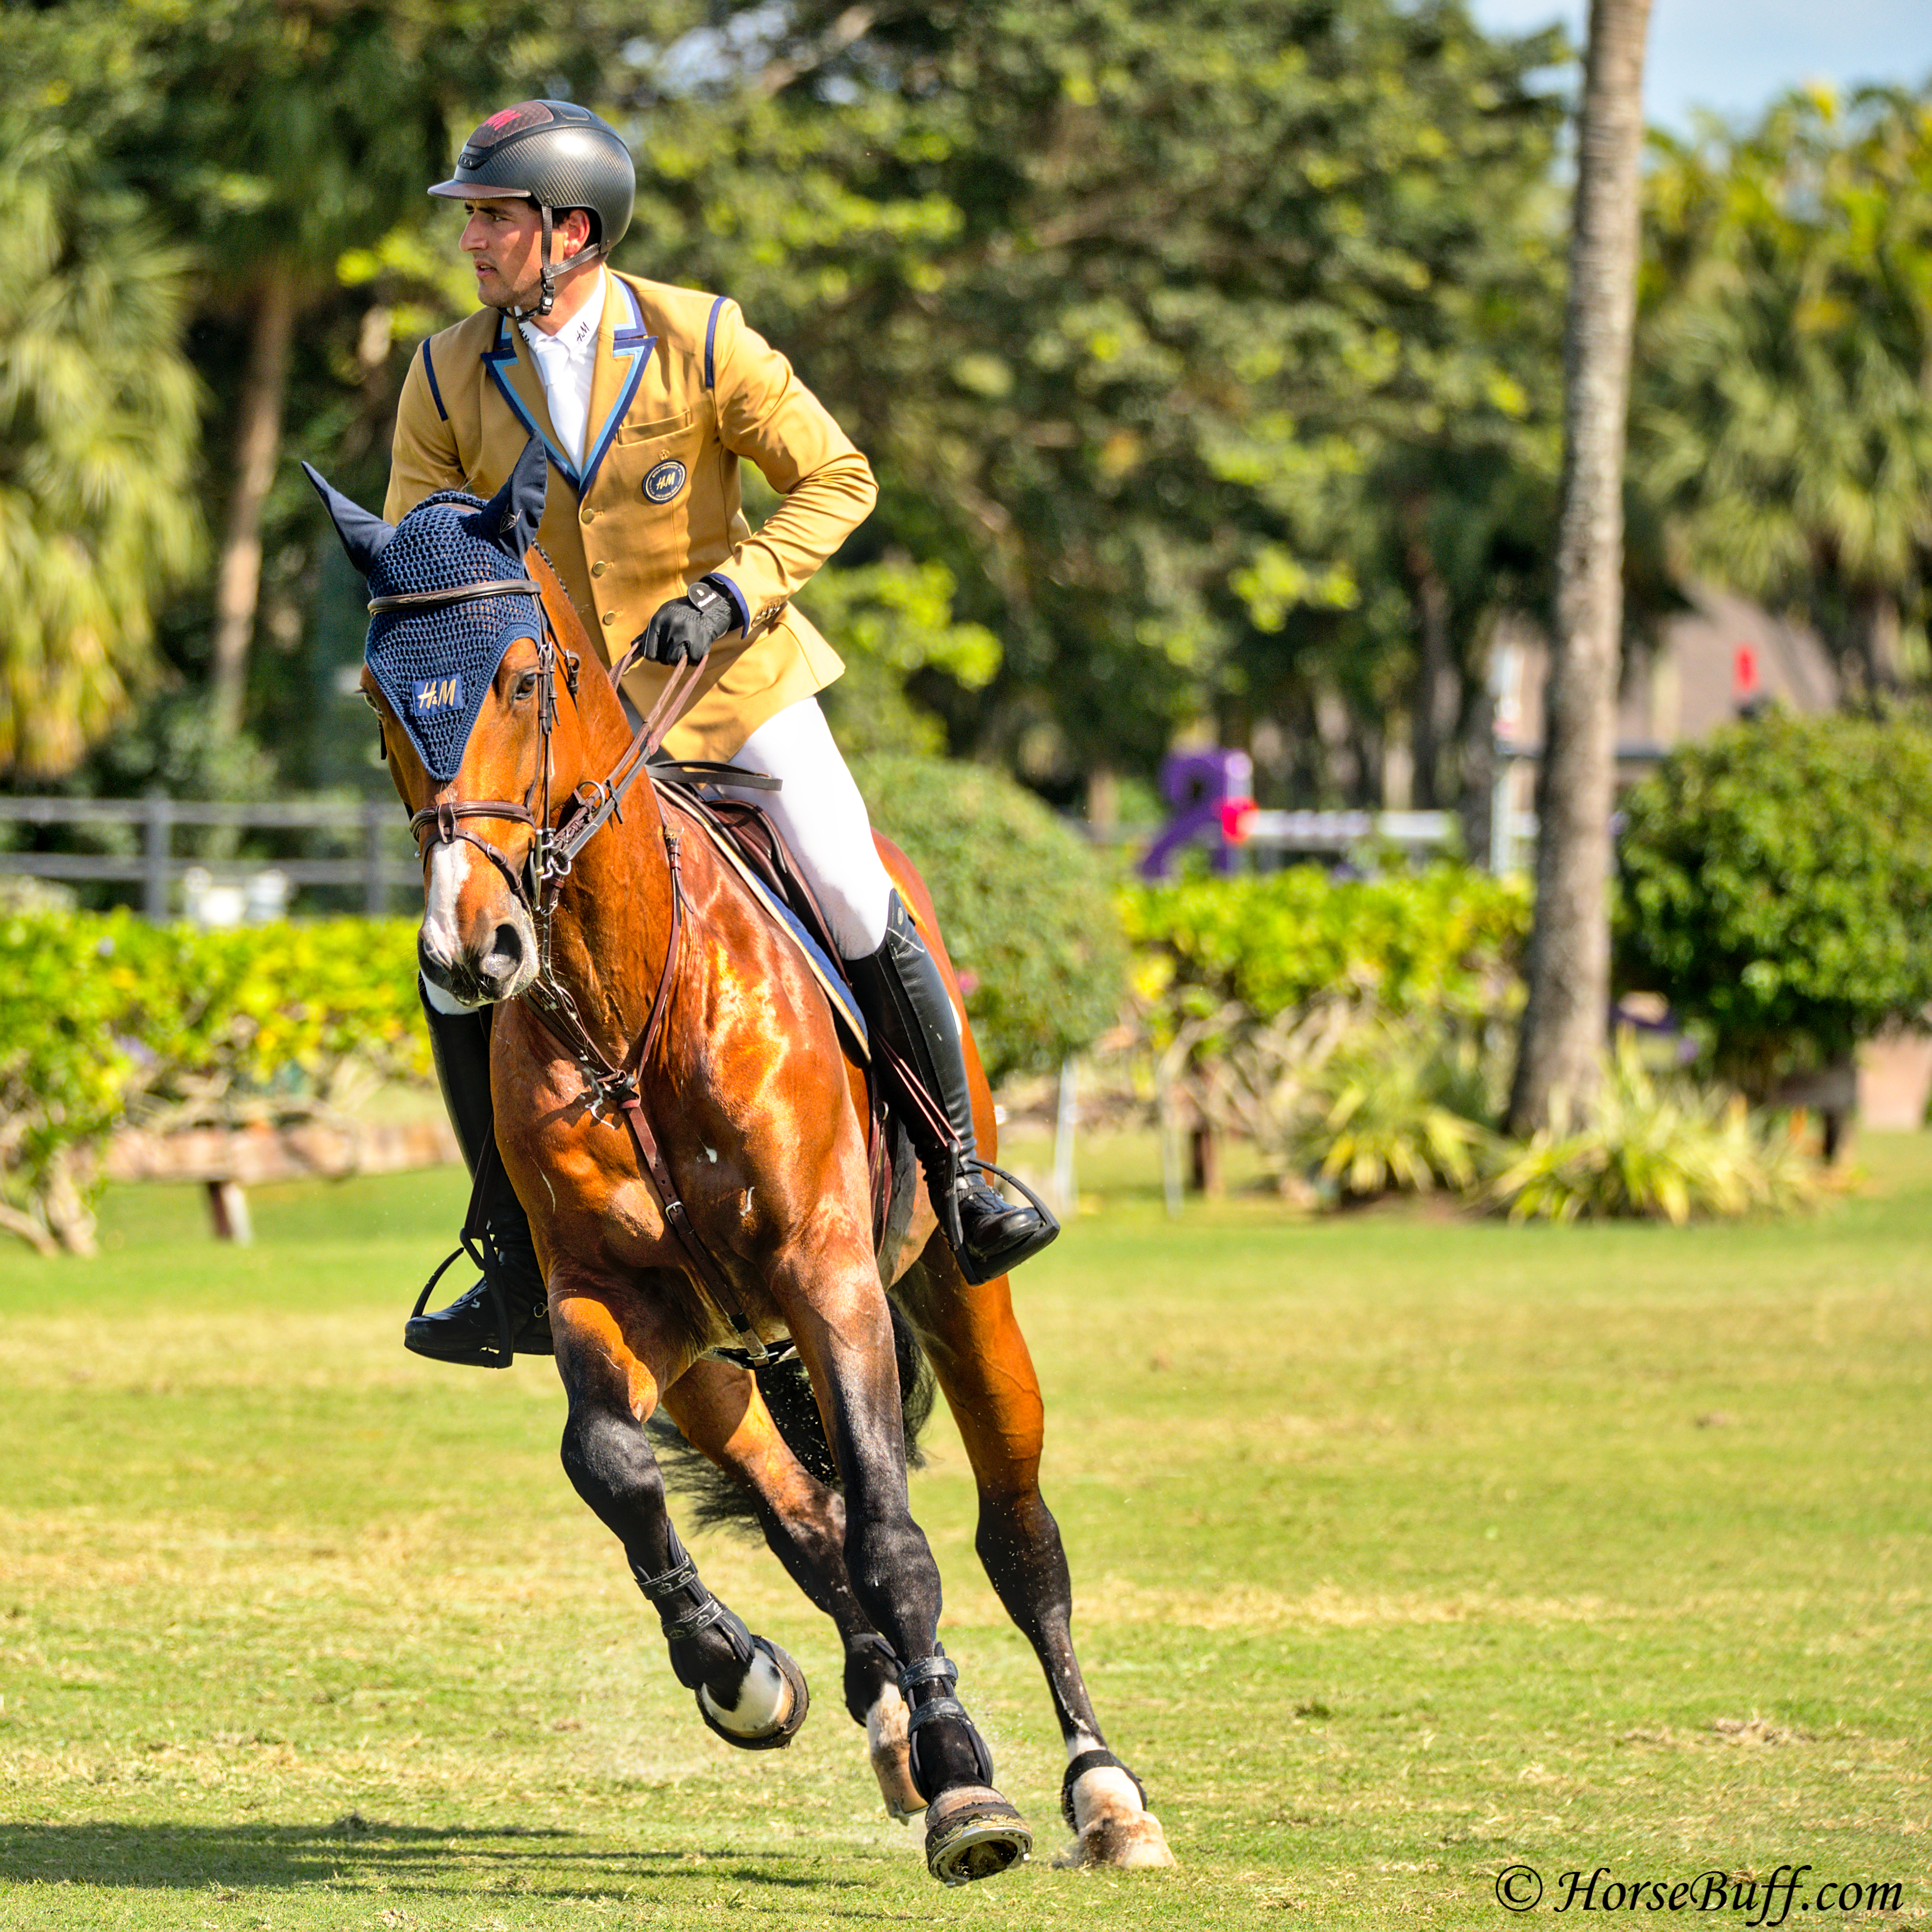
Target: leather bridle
(536, 883)
(553, 850)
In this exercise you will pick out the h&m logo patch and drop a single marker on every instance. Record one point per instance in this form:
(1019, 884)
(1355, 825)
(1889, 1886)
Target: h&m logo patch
(437, 694)
(665, 481)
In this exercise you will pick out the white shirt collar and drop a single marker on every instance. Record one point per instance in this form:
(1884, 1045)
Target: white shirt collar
(565, 363)
(577, 338)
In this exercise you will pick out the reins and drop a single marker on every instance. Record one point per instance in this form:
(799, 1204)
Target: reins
(537, 885)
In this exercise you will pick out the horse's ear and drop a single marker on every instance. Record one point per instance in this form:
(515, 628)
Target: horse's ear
(510, 518)
(364, 535)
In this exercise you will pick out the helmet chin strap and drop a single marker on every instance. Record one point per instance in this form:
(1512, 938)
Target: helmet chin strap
(548, 270)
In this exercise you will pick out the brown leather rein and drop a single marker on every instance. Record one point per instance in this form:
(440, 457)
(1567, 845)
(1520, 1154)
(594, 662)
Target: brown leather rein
(536, 885)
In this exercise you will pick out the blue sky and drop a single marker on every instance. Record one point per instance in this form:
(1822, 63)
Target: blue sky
(1735, 54)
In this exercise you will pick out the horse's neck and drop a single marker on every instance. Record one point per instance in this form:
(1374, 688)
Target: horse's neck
(614, 915)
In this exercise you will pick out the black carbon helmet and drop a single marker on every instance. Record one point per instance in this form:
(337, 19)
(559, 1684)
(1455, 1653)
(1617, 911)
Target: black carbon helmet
(558, 155)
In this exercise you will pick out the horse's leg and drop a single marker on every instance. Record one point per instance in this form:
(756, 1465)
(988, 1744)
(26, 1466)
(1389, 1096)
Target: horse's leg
(615, 1350)
(722, 1413)
(840, 1321)
(986, 1374)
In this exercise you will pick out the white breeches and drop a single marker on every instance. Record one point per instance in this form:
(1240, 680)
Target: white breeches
(824, 822)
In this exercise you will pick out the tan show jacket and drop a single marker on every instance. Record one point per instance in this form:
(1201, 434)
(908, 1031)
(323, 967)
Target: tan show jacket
(682, 389)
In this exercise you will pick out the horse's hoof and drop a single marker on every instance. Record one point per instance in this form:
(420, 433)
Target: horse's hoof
(1126, 1844)
(772, 1702)
(1106, 1806)
(891, 1751)
(972, 1832)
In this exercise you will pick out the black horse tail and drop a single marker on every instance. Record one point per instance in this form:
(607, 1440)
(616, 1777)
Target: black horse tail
(715, 1499)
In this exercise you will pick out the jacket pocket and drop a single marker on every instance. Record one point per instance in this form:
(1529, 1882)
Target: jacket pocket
(652, 432)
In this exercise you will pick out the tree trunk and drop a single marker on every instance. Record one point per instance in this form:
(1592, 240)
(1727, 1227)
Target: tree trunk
(1879, 653)
(1569, 944)
(258, 437)
(1430, 598)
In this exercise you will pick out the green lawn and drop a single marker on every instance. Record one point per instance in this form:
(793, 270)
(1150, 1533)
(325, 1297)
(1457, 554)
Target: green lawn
(1406, 1550)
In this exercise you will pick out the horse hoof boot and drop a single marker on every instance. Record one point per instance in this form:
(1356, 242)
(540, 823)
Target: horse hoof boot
(972, 1832)
(772, 1702)
(467, 1332)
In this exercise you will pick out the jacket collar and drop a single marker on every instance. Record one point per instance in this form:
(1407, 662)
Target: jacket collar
(623, 350)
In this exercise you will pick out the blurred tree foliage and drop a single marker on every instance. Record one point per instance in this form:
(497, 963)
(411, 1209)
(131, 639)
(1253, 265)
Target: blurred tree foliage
(1197, 340)
(98, 428)
(1783, 411)
(1207, 349)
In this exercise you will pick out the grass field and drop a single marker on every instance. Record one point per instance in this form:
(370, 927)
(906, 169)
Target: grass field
(1406, 1550)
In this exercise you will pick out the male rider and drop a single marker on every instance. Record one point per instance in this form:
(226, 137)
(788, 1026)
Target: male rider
(646, 397)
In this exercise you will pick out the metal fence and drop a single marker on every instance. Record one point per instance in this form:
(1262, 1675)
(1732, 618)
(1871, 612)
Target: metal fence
(382, 861)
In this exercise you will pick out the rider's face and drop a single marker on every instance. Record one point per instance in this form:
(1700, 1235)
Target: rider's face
(504, 239)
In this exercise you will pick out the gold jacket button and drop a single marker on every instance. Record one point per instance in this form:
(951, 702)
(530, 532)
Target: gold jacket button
(588, 515)
(610, 616)
(597, 568)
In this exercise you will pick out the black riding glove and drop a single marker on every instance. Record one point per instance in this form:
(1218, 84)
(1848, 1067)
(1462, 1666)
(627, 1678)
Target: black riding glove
(687, 627)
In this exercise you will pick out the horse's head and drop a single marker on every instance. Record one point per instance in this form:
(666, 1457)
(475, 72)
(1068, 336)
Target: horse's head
(462, 673)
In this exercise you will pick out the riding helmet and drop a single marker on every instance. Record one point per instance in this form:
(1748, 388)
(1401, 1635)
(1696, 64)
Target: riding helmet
(556, 155)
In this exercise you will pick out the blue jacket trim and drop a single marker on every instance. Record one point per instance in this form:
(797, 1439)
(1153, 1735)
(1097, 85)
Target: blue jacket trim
(435, 393)
(737, 596)
(633, 345)
(710, 337)
(506, 351)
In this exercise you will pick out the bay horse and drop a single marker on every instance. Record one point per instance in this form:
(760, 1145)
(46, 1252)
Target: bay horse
(687, 1127)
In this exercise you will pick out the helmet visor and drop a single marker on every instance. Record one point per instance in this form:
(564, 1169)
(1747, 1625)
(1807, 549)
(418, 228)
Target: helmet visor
(460, 190)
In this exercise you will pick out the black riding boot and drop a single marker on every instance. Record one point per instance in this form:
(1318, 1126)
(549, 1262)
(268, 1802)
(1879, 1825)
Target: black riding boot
(905, 1001)
(470, 1330)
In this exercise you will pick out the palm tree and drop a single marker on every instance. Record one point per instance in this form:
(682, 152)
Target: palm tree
(292, 131)
(1569, 962)
(1785, 415)
(98, 428)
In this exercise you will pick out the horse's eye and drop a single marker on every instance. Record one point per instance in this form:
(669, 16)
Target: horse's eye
(526, 684)
(369, 698)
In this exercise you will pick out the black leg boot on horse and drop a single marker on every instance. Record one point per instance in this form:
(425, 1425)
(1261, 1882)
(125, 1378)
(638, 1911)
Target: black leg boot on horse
(507, 1313)
(903, 995)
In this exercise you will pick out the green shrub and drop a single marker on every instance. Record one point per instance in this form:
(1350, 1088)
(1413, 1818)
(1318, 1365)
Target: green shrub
(1354, 1099)
(1774, 884)
(1447, 939)
(1026, 904)
(1399, 1107)
(1655, 1150)
(103, 1017)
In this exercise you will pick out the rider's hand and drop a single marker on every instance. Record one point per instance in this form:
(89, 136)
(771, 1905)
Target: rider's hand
(687, 627)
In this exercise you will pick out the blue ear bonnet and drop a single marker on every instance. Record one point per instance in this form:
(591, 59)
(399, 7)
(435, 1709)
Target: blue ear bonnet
(435, 666)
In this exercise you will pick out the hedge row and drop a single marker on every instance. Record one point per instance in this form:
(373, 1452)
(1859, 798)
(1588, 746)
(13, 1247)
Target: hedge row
(102, 1015)
(1448, 939)
(1027, 906)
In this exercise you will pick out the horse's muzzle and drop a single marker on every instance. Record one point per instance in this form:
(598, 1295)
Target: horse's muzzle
(478, 978)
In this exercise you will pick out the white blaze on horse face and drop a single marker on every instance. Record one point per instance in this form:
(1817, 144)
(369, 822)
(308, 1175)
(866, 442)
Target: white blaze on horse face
(510, 964)
(448, 873)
